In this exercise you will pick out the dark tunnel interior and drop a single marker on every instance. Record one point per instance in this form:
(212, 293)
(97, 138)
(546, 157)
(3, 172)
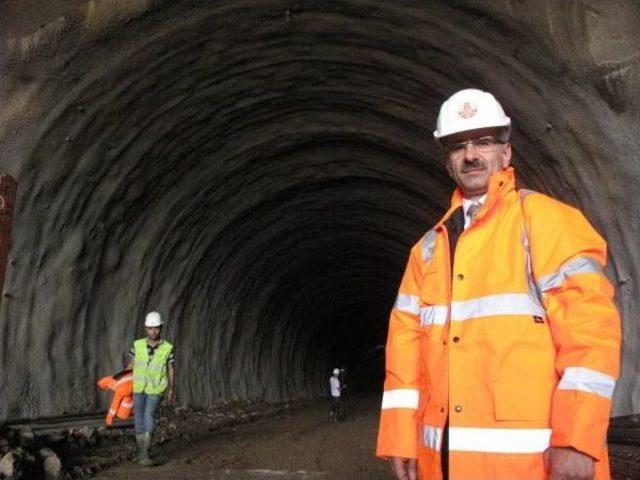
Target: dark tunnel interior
(257, 172)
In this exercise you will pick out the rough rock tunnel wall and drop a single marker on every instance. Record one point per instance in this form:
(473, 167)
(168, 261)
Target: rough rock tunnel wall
(257, 170)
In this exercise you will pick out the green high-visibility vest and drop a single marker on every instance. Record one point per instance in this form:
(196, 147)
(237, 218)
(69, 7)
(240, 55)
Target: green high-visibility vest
(150, 375)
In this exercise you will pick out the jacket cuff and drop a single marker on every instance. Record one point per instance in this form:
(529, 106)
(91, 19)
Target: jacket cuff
(581, 423)
(398, 435)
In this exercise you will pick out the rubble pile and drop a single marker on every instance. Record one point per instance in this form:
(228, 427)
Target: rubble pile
(24, 455)
(79, 453)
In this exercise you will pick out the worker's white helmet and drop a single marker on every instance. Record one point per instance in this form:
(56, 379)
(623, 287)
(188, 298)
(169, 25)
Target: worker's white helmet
(469, 109)
(153, 319)
(336, 371)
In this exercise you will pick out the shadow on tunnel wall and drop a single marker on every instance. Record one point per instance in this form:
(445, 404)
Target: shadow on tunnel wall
(258, 170)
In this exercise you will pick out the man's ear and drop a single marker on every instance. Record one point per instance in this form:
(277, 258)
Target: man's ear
(506, 156)
(447, 164)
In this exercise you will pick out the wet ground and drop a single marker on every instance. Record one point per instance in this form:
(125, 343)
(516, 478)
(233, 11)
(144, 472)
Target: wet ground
(304, 444)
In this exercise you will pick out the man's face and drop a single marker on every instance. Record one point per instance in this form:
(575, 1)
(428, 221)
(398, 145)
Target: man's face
(472, 164)
(153, 333)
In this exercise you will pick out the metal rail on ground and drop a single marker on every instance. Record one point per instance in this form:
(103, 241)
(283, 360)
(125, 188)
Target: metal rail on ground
(44, 425)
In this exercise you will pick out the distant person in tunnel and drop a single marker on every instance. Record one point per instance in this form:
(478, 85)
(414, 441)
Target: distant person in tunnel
(153, 363)
(336, 391)
(504, 341)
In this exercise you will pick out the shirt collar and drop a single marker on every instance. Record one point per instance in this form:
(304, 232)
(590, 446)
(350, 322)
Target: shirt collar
(500, 184)
(466, 203)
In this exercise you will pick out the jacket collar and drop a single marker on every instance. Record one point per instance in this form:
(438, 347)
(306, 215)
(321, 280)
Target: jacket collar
(500, 184)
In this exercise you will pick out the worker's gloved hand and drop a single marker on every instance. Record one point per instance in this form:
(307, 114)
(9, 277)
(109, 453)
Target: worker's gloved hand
(566, 463)
(404, 468)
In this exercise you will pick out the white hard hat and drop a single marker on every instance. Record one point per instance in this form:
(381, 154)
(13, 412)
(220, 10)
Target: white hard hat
(469, 109)
(336, 371)
(153, 319)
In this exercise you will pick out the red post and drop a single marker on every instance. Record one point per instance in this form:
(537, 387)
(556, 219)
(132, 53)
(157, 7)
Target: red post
(7, 201)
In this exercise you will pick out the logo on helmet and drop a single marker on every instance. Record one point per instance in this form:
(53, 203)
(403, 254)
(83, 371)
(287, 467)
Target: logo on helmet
(467, 110)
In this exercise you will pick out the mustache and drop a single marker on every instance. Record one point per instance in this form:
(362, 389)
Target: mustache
(473, 165)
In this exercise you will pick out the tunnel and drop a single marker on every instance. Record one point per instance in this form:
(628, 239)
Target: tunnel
(257, 171)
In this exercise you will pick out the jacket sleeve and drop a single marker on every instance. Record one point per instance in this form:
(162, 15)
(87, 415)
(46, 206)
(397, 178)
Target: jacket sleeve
(568, 256)
(398, 434)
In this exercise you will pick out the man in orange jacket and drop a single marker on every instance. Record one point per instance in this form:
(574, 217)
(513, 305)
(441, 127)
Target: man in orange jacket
(504, 341)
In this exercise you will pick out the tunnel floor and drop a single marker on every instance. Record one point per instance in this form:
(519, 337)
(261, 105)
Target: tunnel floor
(301, 445)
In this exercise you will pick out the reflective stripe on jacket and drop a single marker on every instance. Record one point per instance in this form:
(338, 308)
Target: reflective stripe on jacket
(150, 375)
(122, 402)
(516, 341)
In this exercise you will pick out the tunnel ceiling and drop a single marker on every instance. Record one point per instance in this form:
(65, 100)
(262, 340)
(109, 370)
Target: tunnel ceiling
(257, 171)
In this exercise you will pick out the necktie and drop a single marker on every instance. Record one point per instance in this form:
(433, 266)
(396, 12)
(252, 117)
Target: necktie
(472, 211)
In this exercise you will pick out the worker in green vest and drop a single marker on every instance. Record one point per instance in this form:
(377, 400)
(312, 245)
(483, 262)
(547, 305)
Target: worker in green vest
(154, 374)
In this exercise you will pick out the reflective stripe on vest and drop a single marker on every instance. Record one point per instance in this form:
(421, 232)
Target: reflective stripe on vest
(491, 440)
(487, 306)
(493, 305)
(432, 437)
(433, 315)
(499, 440)
(577, 266)
(490, 305)
(428, 244)
(587, 380)
(150, 376)
(408, 303)
(400, 398)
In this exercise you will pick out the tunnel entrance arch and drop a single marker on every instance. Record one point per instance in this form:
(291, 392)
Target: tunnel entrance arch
(259, 176)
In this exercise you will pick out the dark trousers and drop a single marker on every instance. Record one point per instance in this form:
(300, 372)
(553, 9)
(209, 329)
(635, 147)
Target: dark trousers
(444, 452)
(336, 407)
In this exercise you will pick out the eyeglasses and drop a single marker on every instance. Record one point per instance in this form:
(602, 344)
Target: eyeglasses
(482, 144)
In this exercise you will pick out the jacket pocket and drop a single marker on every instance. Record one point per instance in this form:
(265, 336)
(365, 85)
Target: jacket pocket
(517, 400)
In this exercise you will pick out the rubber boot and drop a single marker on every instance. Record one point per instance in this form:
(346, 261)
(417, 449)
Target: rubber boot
(139, 442)
(144, 442)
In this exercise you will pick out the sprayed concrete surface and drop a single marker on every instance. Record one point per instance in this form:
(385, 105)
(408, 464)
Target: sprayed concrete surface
(303, 445)
(257, 170)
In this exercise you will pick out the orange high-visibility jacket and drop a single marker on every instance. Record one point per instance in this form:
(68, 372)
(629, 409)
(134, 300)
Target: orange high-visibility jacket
(122, 402)
(516, 341)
